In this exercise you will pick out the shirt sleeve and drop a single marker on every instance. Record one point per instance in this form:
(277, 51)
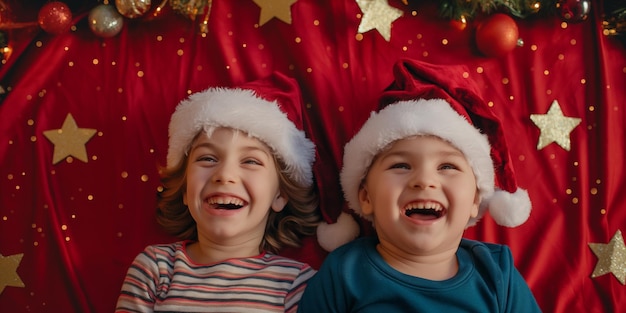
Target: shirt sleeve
(138, 292)
(294, 294)
(325, 291)
(519, 296)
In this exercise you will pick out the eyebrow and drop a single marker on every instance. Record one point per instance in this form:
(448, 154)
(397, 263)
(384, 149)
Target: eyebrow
(406, 152)
(247, 148)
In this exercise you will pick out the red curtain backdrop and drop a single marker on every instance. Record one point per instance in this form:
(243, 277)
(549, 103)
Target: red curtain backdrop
(69, 229)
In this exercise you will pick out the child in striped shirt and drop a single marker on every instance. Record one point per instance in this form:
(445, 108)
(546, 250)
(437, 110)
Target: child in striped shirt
(238, 187)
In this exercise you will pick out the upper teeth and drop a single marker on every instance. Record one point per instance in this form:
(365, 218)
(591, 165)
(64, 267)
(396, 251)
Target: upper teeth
(428, 205)
(225, 200)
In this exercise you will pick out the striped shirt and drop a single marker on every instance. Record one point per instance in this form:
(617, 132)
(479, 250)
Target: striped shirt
(163, 279)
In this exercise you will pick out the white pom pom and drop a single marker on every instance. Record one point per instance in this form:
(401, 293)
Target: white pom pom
(510, 209)
(332, 236)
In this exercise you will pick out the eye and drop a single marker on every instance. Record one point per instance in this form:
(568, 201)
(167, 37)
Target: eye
(448, 166)
(206, 158)
(400, 166)
(252, 162)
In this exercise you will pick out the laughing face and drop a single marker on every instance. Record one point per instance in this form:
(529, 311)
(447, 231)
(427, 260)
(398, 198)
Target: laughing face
(421, 193)
(232, 183)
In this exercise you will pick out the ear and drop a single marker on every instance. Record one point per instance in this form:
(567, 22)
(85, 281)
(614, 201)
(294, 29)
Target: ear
(475, 205)
(279, 202)
(365, 202)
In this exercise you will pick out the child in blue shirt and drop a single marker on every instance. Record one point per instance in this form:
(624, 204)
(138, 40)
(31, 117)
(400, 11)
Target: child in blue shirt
(422, 169)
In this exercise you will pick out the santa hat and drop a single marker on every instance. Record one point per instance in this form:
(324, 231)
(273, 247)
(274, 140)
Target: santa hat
(269, 109)
(427, 99)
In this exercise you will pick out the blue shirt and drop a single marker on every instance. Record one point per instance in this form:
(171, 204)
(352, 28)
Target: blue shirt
(355, 278)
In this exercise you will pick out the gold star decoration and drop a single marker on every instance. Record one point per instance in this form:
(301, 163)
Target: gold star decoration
(8, 271)
(377, 14)
(555, 127)
(611, 258)
(281, 9)
(69, 140)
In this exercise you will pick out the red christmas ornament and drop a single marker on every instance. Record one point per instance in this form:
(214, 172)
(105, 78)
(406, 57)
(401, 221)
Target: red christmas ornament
(497, 35)
(574, 10)
(55, 17)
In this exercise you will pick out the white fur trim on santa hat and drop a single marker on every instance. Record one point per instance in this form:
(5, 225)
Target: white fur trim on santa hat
(409, 118)
(241, 109)
(506, 209)
(332, 236)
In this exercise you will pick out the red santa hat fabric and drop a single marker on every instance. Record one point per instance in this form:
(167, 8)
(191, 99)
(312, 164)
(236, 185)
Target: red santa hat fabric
(428, 99)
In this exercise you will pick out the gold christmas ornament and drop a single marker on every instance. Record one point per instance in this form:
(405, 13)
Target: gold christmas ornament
(189, 8)
(132, 8)
(69, 140)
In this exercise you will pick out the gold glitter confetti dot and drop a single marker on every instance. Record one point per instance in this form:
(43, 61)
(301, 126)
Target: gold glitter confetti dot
(344, 65)
(505, 81)
(563, 25)
(159, 38)
(144, 178)
(479, 70)
(575, 200)
(124, 118)
(33, 138)
(4, 218)
(120, 90)
(95, 61)
(572, 42)
(70, 63)
(583, 81)
(568, 191)
(140, 74)
(521, 157)
(124, 174)
(64, 227)
(548, 92)
(358, 37)
(594, 191)
(444, 41)
(67, 238)
(90, 197)
(316, 22)
(591, 108)
(490, 103)
(465, 74)
(179, 52)
(533, 47)
(425, 53)
(309, 70)
(602, 211)
(298, 40)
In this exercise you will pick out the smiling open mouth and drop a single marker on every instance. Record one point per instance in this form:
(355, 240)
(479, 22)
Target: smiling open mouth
(424, 210)
(226, 203)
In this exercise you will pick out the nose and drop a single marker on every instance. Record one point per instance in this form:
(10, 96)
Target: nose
(224, 173)
(423, 179)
